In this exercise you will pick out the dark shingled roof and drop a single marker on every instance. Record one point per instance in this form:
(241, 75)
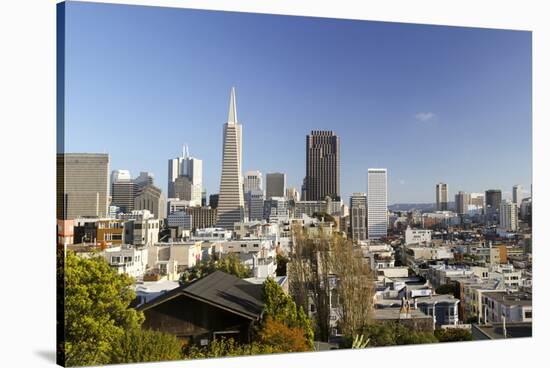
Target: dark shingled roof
(222, 290)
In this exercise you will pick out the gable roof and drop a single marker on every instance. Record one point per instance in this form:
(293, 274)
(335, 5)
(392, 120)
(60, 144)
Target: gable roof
(221, 290)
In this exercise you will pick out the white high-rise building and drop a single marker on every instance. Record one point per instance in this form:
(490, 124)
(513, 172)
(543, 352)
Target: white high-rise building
(231, 201)
(120, 175)
(252, 181)
(292, 194)
(508, 216)
(377, 203)
(173, 174)
(517, 194)
(190, 168)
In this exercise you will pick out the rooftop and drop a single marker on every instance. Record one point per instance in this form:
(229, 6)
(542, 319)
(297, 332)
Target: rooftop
(393, 313)
(495, 330)
(221, 290)
(511, 298)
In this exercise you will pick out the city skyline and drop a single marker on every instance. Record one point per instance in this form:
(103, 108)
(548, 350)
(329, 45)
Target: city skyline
(450, 122)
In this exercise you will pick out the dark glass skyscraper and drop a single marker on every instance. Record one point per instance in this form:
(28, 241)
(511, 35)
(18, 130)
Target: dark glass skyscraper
(493, 197)
(322, 165)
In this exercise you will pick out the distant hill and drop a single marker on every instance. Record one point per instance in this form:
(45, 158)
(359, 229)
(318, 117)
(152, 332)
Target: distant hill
(424, 207)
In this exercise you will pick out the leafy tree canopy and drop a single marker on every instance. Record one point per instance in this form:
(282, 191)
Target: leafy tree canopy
(446, 289)
(279, 307)
(395, 333)
(453, 334)
(283, 338)
(282, 261)
(223, 347)
(96, 309)
(230, 264)
(137, 346)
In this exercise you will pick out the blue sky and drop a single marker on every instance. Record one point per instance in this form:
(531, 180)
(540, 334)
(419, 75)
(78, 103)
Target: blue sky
(430, 103)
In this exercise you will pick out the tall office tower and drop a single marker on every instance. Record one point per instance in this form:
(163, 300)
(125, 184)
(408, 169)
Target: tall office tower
(183, 189)
(255, 204)
(213, 200)
(173, 174)
(377, 203)
(304, 189)
(477, 199)
(252, 181)
(190, 168)
(517, 194)
(322, 166)
(358, 216)
(231, 201)
(123, 193)
(253, 195)
(462, 200)
(151, 198)
(441, 197)
(525, 209)
(493, 197)
(275, 185)
(145, 178)
(82, 185)
(508, 216)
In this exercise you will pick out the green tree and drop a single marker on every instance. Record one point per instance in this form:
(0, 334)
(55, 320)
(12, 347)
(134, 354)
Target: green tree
(223, 347)
(453, 334)
(96, 309)
(282, 261)
(281, 308)
(136, 346)
(447, 289)
(230, 264)
(395, 333)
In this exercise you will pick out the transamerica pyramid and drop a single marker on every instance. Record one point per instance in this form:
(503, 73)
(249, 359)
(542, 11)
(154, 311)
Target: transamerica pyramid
(231, 201)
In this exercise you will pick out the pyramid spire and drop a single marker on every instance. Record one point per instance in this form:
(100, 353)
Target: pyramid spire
(232, 118)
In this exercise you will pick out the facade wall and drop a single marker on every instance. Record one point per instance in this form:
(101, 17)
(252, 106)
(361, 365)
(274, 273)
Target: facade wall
(322, 166)
(82, 185)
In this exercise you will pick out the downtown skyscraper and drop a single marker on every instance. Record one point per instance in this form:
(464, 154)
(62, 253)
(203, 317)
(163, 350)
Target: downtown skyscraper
(275, 185)
(322, 166)
(231, 201)
(358, 216)
(441, 197)
(185, 178)
(377, 203)
(82, 185)
(517, 194)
